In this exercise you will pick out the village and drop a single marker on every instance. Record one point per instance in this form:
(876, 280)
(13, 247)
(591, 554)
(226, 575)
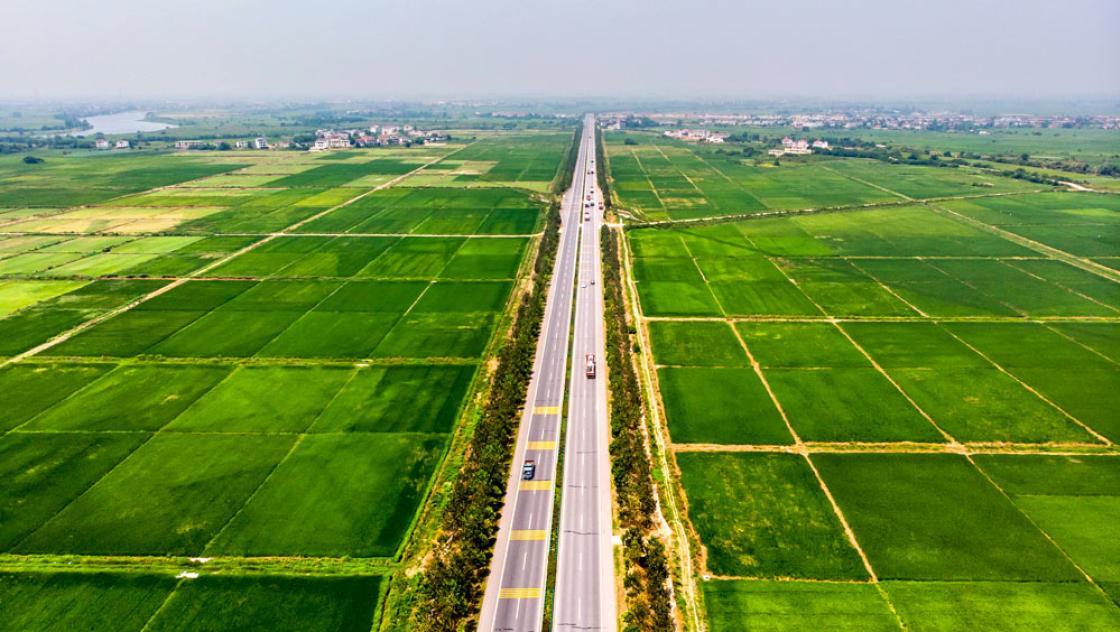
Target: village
(374, 136)
(324, 140)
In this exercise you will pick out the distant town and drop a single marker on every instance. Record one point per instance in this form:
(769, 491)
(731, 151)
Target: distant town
(863, 119)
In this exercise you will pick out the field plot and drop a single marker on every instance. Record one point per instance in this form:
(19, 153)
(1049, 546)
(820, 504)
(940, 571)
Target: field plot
(484, 211)
(1082, 224)
(657, 179)
(270, 399)
(523, 160)
(71, 180)
(131, 601)
(789, 605)
(865, 407)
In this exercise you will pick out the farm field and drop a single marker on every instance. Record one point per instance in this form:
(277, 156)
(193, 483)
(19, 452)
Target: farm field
(887, 418)
(657, 179)
(252, 360)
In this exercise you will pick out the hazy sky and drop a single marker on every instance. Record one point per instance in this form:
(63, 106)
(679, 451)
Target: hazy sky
(576, 48)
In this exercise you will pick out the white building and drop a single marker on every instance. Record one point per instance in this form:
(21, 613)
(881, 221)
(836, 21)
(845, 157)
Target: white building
(187, 144)
(123, 144)
(260, 143)
(101, 143)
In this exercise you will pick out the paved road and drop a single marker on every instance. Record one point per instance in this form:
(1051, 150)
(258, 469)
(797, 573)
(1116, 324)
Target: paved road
(515, 590)
(585, 589)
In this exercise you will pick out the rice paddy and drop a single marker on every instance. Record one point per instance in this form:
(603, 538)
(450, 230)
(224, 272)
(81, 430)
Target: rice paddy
(258, 362)
(882, 417)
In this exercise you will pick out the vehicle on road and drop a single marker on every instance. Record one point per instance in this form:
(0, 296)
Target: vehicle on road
(590, 369)
(528, 470)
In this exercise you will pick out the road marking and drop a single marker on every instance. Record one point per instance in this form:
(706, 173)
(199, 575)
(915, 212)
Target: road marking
(519, 593)
(527, 534)
(542, 445)
(546, 410)
(535, 486)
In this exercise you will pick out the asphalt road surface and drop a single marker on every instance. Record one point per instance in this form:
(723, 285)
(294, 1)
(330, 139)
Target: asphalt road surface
(515, 591)
(585, 597)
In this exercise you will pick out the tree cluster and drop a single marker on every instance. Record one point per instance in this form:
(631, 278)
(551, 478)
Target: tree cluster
(563, 178)
(648, 594)
(601, 168)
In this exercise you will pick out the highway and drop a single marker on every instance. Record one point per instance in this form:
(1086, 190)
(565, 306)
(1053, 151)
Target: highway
(585, 589)
(515, 590)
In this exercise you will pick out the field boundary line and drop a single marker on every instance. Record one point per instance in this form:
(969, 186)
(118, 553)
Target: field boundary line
(972, 286)
(1034, 524)
(1103, 439)
(1077, 342)
(888, 289)
(824, 165)
(803, 450)
(652, 187)
(97, 320)
(151, 437)
(815, 210)
(166, 600)
(874, 363)
(907, 447)
(1057, 284)
(684, 175)
(728, 178)
(799, 449)
(248, 499)
(670, 487)
(1083, 263)
(785, 318)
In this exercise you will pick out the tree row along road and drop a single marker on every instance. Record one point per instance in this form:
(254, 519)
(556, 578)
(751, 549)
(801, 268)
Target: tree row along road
(585, 590)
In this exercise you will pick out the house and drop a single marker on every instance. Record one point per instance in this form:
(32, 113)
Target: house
(101, 143)
(122, 144)
(795, 147)
(330, 139)
(240, 144)
(260, 143)
(820, 144)
(187, 144)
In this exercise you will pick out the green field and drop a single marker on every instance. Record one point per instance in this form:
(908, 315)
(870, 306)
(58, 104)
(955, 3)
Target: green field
(907, 370)
(255, 359)
(134, 601)
(656, 178)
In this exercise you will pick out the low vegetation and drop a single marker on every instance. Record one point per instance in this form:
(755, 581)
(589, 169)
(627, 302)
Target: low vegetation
(649, 601)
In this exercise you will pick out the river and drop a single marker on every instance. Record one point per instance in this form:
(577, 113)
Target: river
(121, 123)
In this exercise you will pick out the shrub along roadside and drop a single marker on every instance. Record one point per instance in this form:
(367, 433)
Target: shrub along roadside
(563, 178)
(648, 598)
(601, 168)
(454, 576)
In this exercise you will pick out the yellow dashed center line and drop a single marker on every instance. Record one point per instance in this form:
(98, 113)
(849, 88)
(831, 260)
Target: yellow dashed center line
(519, 593)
